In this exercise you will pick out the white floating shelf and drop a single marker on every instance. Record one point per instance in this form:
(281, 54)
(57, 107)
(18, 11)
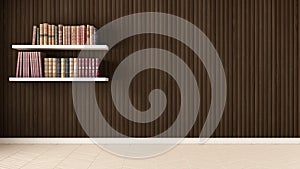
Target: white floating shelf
(58, 79)
(61, 47)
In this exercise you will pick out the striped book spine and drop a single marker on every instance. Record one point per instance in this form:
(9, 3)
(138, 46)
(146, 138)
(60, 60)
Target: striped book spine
(97, 73)
(86, 68)
(50, 67)
(63, 67)
(60, 34)
(46, 67)
(42, 34)
(55, 35)
(46, 33)
(75, 67)
(54, 67)
(71, 68)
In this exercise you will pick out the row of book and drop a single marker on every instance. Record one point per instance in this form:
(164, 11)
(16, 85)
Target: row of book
(48, 34)
(71, 67)
(29, 64)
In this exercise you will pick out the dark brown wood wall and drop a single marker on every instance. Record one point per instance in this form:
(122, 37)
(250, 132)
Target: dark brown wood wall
(257, 40)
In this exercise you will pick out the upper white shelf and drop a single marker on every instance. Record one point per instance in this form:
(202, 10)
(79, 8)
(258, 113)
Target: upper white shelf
(58, 79)
(61, 47)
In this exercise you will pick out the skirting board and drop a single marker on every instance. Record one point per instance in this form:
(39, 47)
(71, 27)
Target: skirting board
(208, 141)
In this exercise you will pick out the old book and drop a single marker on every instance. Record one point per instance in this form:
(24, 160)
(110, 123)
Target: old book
(46, 67)
(73, 35)
(71, 67)
(88, 35)
(58, 67)
(78, 35)
(64, 35)
(75, 67)
(38, 36)
(39, 64)
(91, 35)
(18, 65)
(49, 34)
(34, 35)
(54, 67)
(41, 34)
(97, 71)
(90, 68)
(62, 67)
(46, 33)
(55, 35)
(50, 68)
(67, 72)
(79, 67)
(60, 34)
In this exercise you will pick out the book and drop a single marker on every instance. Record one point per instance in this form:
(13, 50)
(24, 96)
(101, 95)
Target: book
(38, 36)
(58, 67)
(97, 72)
(60, 34)
(18, 65)
(78, 35)
(34, 35)
(55, 35)
(79, 67)
(67, 66)
(50, 67)
(62, 67)
(90, 68)
(39, 64)
(46, 33)
(54, 67)
(75, 67)
(71, 67)
(64, 35)
(49, 34)
(73, 35)
(41, 34)
(88, 35)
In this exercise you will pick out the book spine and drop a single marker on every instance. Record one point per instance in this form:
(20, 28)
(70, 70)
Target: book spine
(21, 65)
(60, 34)
(79, 67)
(55, 35)
(86, 69)
(64, 35)
(67, 67)
(42, 34)
(34, 35)
(88, 35)
(24, 64)
(75, 67)
(58, 67)
(90, 67)
(93, 67)
(18, 65)
(46, 67)
(38, 36)
(97, 72)
(50, 67)
(72, 35)
(69, 35)
(30, 63)
(49, 35)
(54, 67)
(78, 35)
(95, 37)
(62, 67)
(83, 35)
(82, 67)
(91, 35)
(71, 68)
(45, 33)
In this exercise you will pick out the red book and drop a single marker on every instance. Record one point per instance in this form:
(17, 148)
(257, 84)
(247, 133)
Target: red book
(93, 67)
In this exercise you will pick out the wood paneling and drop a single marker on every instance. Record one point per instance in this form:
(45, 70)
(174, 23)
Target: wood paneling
(257, 41)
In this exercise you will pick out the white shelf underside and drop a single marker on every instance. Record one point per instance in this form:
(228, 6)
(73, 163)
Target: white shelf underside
(68, 79)
(61, 47)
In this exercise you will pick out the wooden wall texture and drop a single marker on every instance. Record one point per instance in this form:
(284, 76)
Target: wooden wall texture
(257, 40)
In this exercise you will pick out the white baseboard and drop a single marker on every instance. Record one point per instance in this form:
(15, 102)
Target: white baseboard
(149, 141)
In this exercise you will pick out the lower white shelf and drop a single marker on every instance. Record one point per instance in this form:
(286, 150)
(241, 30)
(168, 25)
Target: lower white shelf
(58, 79)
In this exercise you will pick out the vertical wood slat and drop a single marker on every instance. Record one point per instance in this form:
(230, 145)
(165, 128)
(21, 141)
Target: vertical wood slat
(258, 43)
